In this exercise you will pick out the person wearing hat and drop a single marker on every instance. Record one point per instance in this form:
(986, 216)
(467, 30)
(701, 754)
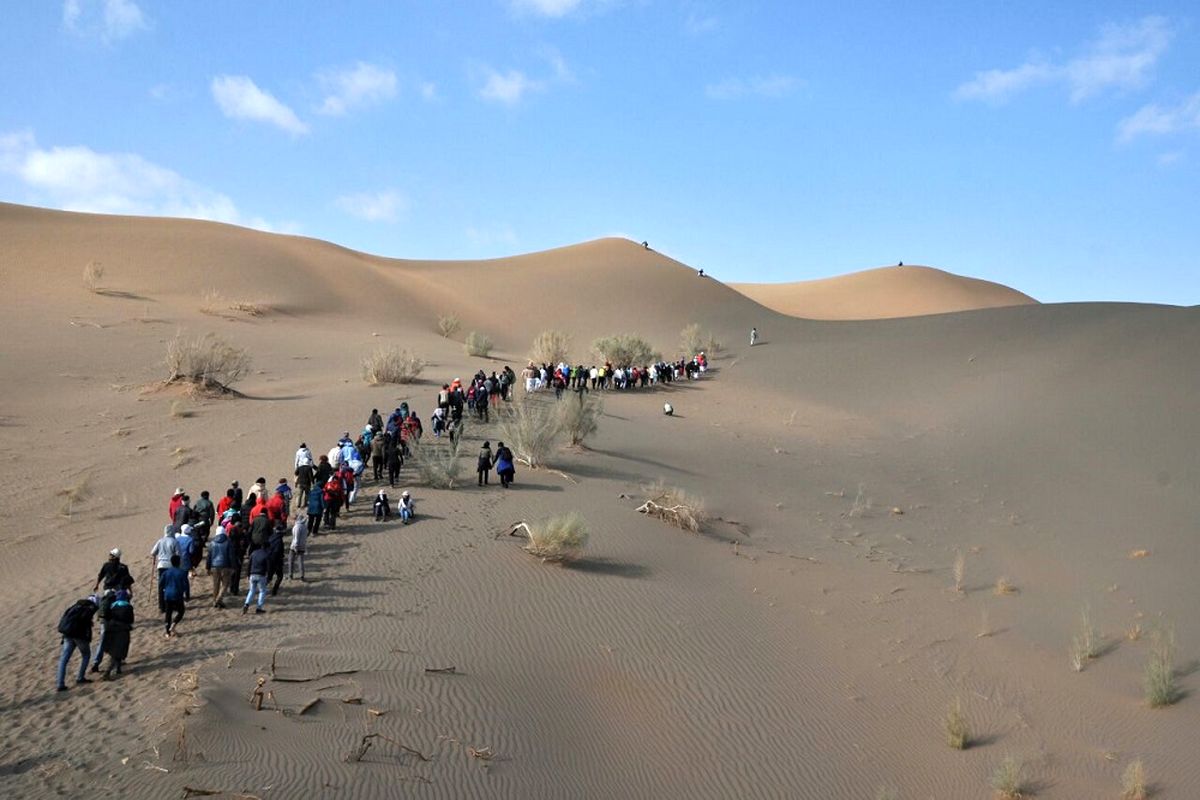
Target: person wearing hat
(106, 601)
(176, 502)
(183, 513)
(114, 574)
(405, 507)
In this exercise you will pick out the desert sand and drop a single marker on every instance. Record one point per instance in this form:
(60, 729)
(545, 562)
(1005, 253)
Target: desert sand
(807, 643)
(882, 293)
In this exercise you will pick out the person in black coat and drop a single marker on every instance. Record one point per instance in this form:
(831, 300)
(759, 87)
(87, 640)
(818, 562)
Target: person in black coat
(113, 574)
(275, 564)
(114, 642)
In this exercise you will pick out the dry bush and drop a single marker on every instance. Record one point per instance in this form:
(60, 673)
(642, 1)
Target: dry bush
(1003, 587)
(477, 344)
(211, 302)
(1133, 782)
(437, 462)
(1084, 643)
(1159, 676)
(550, 347)
(180, 410)
(530, 429)
(255, 309)
(674, 506)
(207, 362)
(625, 350)
(693, 341)
(558, 538)
(1008, 779)
(579, 416)
(93, 273)
(73, 495)
(960, 571)
(391, 364)
(862, 503)
(448, 325)
(958, 735)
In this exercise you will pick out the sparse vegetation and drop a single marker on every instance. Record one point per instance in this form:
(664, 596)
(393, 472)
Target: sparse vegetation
(693, 341)
(1159, 677)
(448, 325)
(73, 495)
(1133, 782)
(559, 538)
(251, 309)
(861, 505)
(625, 349)
(211, 302)
(674, 506)
(1008, 779)
(957, 733)
(207, 363)
(477, 344)
(1083, 643)
(985, 625)
(1003, 587)
(180, 410)
(93, 273)
(960, 571)
(550, 347)
(530, 428)
(391, 364)
(579, 415)
(214, 304)
(437, 463)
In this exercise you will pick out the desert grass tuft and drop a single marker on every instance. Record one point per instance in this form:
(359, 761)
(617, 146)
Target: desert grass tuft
(550, 347)
(985, 625)
(1003, 587)
(211, 302)
(180, 410)
(579, 415)
(93, 273)
(1084, 643)
(530, 428)
(477, 344)
(437, 463)
(960, 570)
(560, 538)
(1134, 632)
(1159, 676)
(1133, 782)
(73, 495)
(674, 506)
(861, 505)
(958, 734)
(448, 325)
(1008, 779)
(207, 363)
(391, 365)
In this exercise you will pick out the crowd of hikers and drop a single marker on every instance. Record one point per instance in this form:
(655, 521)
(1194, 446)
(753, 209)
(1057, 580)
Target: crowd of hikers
(245, 533)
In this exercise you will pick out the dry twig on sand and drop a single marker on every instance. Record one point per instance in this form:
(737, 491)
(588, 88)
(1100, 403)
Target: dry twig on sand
(360, 750)
(674, 506)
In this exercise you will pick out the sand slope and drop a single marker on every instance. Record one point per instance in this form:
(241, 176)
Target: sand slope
(882, 293)
(806, 644)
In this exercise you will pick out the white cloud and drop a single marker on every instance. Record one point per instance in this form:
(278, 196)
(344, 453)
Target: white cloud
(108, 20)
(772, 86)
(1123, 57)
(508, 87)
(545, 8)
(239, 98)
(361, 85)
(384, 206)
(1153, 119)
(78, 178)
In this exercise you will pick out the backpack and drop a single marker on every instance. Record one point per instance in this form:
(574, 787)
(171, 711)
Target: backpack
(75, 617)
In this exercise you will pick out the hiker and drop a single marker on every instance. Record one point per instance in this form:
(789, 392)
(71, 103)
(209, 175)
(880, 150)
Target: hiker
(505, 464)
(237, 548)
(322, 472)
(106, 601)
(438, 421)
(405, 507)
(332, 495)
(753, 336)
(176, 502)
(298, 547)
(304, 456)
(162, 552)
(391, 454)
(219, 564)
(378, 456)
(237, 494)
(114, 638)
(375, 422)
(188, 548)
(175, 587)
(183, 514)
(203, 515)
(260, 529)
(275, 563)
(304, 482)
(668, 409)
(280, 502)
(383, 508)
(75, 625)
(113, 574)
(316, 508)
(484, 463)
(349, 485)
(259, 565)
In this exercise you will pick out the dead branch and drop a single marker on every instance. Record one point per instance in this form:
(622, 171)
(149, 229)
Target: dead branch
(282, 679)
(451, 670)
(520, 526)
(256, 696)
(360, 750)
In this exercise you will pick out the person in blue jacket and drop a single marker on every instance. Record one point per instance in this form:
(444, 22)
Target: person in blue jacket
(175, 587)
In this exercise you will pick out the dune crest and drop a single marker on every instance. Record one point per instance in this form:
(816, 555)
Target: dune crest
(883, 293)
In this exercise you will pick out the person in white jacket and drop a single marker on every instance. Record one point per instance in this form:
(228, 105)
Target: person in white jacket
(303, 456)
(298, 547)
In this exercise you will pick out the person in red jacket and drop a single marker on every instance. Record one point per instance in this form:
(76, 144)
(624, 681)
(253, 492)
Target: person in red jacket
(226, 503)
(348, 484)
(333, 494)
(176, 502)
(260, 507)
(277, 507)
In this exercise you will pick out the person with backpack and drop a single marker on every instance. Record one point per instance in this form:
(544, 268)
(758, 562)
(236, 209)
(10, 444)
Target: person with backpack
(304, 482)
(175, 587)
(260, 560)
(315, 509)
(203, 515)
(106, 601)
(375, 421)
(484, 463)
(114, 640)
(260, 530)
(298, 548)
(332, 495)
(276, 549)
(505, 465)
(113, 574)
(75, 625)
(378, 446)
(161, 555)
(219, 564)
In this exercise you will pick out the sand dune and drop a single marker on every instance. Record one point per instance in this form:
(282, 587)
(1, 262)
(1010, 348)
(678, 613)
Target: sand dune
(882, 293)
(806, 644)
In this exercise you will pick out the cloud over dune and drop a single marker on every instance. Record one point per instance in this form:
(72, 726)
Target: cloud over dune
(239, 98)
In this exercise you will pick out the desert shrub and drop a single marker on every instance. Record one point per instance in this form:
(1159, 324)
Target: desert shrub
(530, 430)
(180, 410)
(1004, 587)
(478, 344)
(1159, 677)
(1084, 643)
(207, 362)
(550, 347)
(448, 325)
(93, 273)
(71, 496)
(1008, 779)
(437, 462)
(391, 364)
(625, 349)
(692, 340)
(579, 415)
(957, 733)
(257, 308)
(674, 506)
(1133, 782)
(960, 571)
(211, 302)
(558, 538)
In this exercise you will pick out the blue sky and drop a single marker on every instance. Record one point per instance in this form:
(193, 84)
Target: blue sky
(1052, 147)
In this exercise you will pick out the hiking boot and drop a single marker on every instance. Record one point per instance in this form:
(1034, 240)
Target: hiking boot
(259, 611)
(62, 688)
(83, 680)
(245, 608)
(96, 667)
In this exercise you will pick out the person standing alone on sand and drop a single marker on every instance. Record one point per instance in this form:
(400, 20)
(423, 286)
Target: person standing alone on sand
(753, 336)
